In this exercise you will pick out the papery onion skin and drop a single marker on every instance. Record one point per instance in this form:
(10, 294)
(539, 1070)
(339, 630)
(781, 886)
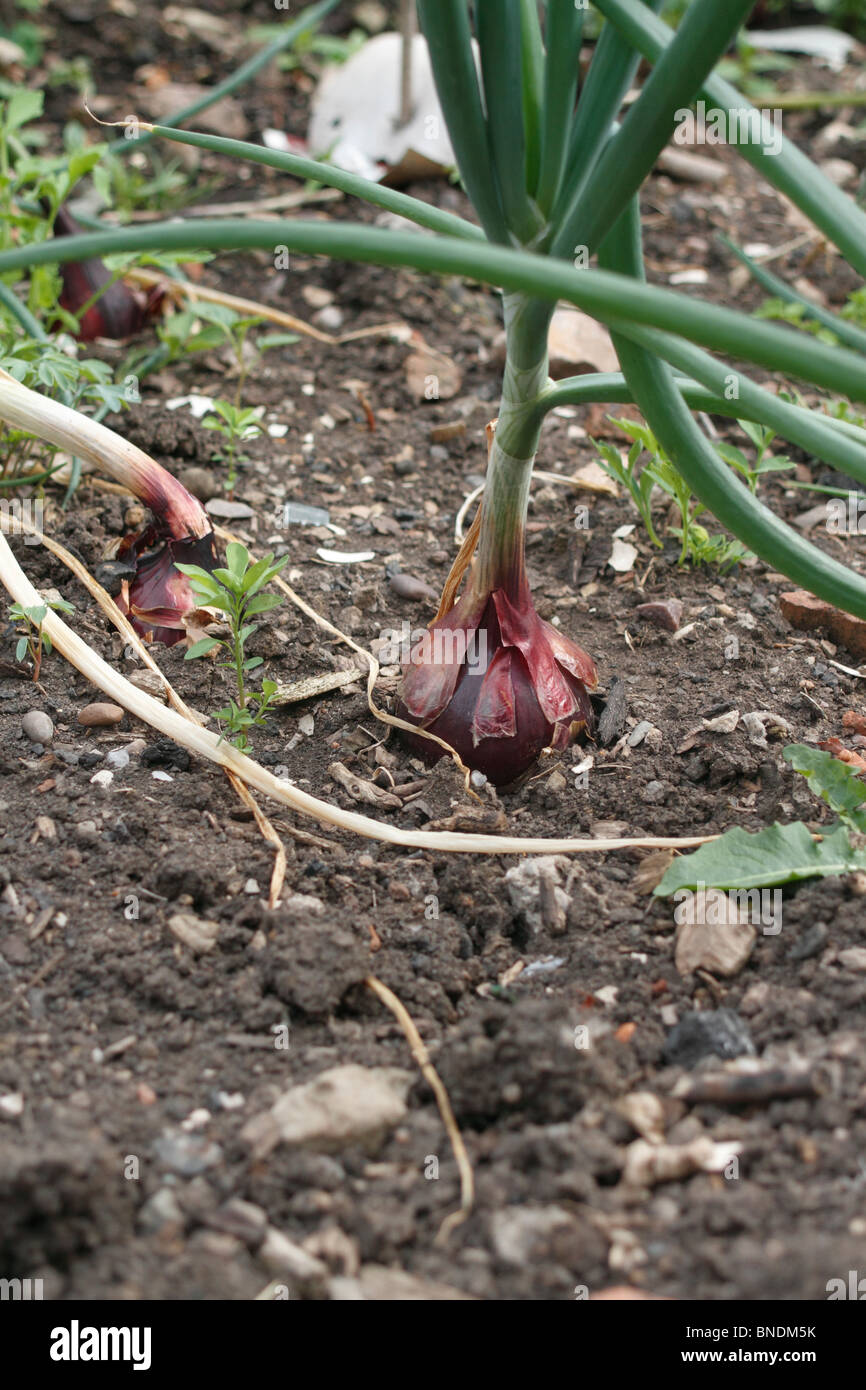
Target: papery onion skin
(120, 311)
(159, 598)
(490, 705)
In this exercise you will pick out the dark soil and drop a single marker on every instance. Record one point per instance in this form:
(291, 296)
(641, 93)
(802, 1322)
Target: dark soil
(139, 1062)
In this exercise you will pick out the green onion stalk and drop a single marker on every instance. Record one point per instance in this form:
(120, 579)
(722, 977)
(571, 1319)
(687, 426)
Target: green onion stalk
(554, 175)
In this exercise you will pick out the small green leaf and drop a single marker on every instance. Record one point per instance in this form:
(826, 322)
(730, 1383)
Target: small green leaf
(21, 649)
(262, 603)
(201, 648)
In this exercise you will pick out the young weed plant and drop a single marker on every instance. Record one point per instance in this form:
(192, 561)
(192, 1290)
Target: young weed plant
(33, 641)
(236, 592)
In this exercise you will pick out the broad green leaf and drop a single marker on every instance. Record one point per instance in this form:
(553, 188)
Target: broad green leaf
(834, 781)
(780, 854)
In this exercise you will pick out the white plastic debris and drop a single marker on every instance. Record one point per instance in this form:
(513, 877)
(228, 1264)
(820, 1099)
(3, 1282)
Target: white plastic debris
(354, 557)
(355, 116)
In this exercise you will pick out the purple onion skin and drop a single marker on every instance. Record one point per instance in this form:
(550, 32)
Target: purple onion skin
(501, 760)
(160, 597)
(119, 313)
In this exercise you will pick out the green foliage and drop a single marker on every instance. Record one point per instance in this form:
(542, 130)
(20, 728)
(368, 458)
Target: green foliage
(235, 424)
(310, 49)
(646, 467)
(33, 641)
(237, 592)
(784, 853)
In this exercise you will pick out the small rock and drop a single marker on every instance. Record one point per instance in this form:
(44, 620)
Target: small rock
(639, 733)
(432, 376)
(197, 933)
(159, 1211)
(100, 716)
(721, 944)
(228, 511)
(341, 1106)
(713, 1033)
(38, 726)
(87, 830)
(854, 958)
(150, 683)
(11, 1105)
(578, 343)
(282, 1256)
(667, 613)
(524, 1235)
(201, 482)
(186, 1154)
(654, 793)
(102, 779)
(330, 318)
(241, 1219)
(67, 754)
(533, 887)
(118, 758)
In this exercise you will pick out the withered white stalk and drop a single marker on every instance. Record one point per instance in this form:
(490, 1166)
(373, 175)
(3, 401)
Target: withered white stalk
(158, 597)
(209, 745)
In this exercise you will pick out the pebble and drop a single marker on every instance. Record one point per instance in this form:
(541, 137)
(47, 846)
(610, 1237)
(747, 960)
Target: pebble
(102, 779)
(150, 683)
(161, 777)
(330, 318)
(340, 1107)
(713, 1033)
(67, 754)
(136, 747)
(87, 830)
(201, 482)
(243, 1220)
(12, 1105)
(186, 1154)
(100, 716)
(654, 792)
(229, 511)
(118, 757)
(282, 1256)
(38, 726)
(667, 613)
(159, 1211)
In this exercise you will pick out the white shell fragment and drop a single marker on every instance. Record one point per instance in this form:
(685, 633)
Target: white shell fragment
(355, 114)
(337, 557)
(622, 556)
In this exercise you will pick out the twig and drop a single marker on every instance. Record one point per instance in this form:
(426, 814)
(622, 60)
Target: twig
(431, 1076)
(251, 307)
(14, 524)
